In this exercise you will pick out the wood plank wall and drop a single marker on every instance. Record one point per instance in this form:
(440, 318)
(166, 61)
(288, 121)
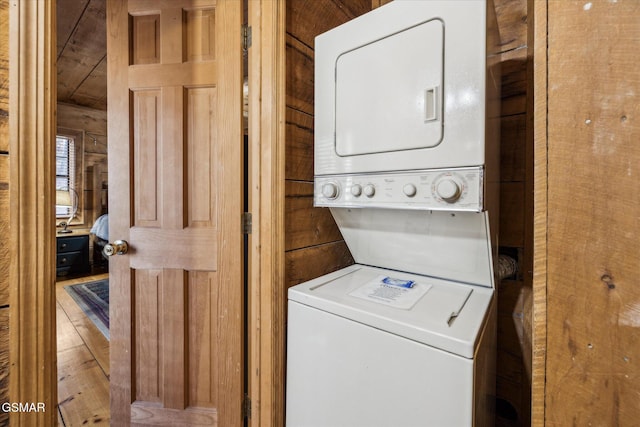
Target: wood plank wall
(92, 124)
(513, 384)
(593, 206)
(4, 207)
(313, 243)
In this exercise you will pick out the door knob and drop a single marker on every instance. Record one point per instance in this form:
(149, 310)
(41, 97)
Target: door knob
(119, 247)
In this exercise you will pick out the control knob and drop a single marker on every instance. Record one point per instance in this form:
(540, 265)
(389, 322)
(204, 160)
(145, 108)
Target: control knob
(330, 190)
(449, 190)
(356, 190)
(369, 190)
(409, 190)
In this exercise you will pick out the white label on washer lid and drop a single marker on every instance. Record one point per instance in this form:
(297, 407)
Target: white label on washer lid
(397, 293)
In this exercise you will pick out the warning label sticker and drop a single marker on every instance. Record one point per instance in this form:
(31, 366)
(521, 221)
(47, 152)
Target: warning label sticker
(397, 293)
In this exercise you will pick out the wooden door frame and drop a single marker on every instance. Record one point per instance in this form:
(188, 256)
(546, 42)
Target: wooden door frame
(267, 293)
(32, 103)
(32, 82)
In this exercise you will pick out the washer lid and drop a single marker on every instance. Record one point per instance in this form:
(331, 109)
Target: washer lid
(452, 246)
(449, 316)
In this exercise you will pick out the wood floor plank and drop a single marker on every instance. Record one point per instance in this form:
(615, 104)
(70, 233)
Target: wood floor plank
(96, 343)
(83, 389)
(85, 328)
(66, 333)
(83, 363)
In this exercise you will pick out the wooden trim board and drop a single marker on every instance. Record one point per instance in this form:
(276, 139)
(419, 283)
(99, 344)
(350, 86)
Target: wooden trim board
(32, 103)
(266, 203)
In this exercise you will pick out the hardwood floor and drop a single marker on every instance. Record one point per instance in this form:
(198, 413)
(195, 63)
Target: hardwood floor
(83, 363)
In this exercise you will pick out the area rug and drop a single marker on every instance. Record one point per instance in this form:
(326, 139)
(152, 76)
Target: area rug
(93, 299)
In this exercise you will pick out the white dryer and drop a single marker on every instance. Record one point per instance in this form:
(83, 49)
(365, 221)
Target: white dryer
(406, 158)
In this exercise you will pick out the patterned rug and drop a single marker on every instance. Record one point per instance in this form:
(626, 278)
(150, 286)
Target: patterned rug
(93, 299)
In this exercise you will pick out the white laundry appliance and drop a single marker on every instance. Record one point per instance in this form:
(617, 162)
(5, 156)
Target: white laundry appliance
(406, 158)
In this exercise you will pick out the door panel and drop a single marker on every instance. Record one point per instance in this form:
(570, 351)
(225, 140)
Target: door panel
(145, 156)
(176, 177)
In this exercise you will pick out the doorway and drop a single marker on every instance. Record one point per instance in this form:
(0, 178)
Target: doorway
(32, 340)
(82, 229)
(87, 36)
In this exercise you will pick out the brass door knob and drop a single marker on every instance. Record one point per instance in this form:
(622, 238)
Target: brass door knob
(119, 247)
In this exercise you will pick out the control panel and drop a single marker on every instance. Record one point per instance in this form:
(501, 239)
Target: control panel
(458, 189)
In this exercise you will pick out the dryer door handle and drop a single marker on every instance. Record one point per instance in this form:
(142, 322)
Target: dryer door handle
(431, 101)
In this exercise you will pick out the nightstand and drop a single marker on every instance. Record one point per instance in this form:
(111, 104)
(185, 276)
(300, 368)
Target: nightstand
(72, 253)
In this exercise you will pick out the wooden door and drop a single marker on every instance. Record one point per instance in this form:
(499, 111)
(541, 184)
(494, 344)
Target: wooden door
(175, 181)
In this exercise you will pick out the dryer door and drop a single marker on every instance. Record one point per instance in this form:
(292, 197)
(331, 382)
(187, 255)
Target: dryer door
(389, 92)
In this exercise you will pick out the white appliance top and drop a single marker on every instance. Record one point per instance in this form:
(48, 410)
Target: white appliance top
(445, 315)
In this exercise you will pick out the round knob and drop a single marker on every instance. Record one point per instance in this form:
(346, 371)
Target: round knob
(449, 190)
(119, 247)
(108, 250)
(409, 190)
(330, 190)
(369, 190)
(356, 190)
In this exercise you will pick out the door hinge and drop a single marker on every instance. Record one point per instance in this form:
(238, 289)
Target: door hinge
(246, 37)
(247, 223)
(246, 406)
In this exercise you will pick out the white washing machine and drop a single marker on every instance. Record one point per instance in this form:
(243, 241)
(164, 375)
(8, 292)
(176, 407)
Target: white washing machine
(374, 347)
(406, 158)
(368, 364)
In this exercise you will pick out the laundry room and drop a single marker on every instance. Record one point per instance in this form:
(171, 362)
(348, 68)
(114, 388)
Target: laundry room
(428, 214)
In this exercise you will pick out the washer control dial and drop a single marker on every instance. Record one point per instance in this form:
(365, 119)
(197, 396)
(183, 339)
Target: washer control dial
(409, 190)
(330, 190)
(448, 189)
(356, 190)
(369, 190)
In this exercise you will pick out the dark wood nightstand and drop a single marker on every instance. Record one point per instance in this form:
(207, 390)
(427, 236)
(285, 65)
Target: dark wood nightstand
(72, 254)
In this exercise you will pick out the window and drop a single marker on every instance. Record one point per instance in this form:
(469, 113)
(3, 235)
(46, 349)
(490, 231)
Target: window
(69, 172)
(65, 169)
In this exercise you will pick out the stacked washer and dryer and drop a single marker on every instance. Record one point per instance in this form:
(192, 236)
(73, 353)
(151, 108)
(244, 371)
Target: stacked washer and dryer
(406, 158)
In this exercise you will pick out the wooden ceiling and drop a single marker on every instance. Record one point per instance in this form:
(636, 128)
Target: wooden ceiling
(82, 53)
